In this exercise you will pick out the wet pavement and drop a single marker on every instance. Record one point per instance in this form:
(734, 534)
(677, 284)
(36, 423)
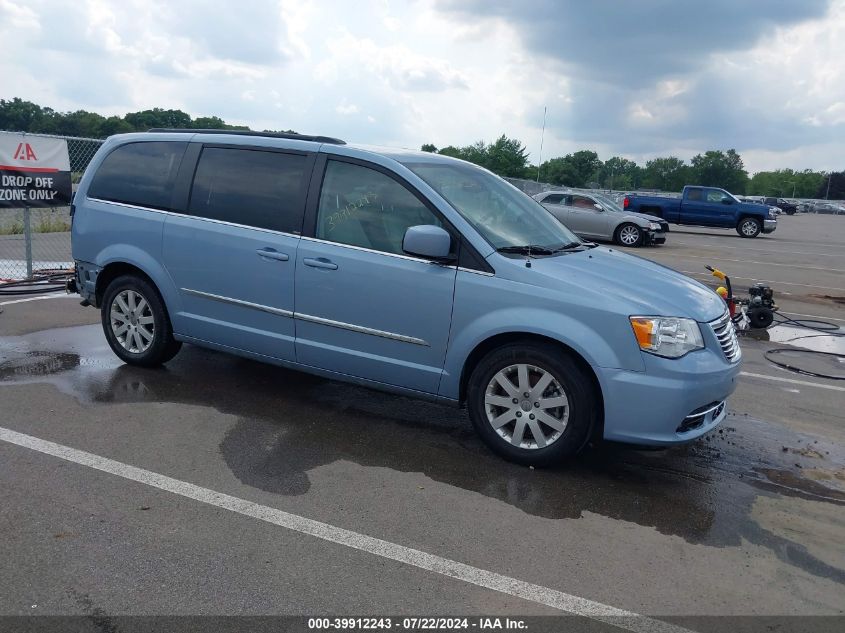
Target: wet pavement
(734, 489)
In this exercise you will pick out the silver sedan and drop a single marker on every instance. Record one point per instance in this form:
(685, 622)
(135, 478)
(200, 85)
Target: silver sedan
(599, 217)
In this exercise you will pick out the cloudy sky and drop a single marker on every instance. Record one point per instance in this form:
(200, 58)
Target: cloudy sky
(637, 78)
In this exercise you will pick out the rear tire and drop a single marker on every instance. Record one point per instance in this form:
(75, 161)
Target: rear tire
(629, 234)
(136, 323)
(551, 424)
(749, 227)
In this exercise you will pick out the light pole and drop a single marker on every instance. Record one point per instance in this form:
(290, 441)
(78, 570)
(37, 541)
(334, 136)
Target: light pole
(542, 135)
(829, 175)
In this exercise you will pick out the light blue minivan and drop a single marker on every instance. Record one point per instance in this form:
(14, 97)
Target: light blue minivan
(399, 270)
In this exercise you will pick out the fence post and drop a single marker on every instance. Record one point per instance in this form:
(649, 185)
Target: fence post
(27, 238)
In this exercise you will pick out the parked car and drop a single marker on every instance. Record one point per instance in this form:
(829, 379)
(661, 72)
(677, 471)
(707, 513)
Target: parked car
(789, 208)
(404, 271)
(707, 206)
(598, 217)
(828, 208)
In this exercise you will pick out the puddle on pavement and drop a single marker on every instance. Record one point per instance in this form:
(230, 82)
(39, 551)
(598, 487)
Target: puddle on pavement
(828, 341)
(290, 423)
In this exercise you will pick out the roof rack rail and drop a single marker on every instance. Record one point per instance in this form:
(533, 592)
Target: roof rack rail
(298, 137)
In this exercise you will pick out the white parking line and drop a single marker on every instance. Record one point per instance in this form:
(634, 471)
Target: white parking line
(749, 261)
(812, 316)
(768, 281)
(38, 298)
(769, 252)
(416, 558)
(792, 381)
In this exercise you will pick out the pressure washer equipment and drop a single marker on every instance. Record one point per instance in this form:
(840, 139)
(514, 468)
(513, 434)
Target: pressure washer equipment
(757, 312)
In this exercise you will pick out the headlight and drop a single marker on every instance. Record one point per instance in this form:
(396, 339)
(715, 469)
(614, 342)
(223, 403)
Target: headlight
(670, 337)
(772, 214)
(654, 226)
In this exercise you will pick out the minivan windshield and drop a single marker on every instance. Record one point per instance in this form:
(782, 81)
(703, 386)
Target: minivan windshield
(506, 217)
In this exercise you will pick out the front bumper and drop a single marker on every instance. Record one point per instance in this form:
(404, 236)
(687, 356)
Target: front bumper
(673, 401)
(654, 237)
(769, 226)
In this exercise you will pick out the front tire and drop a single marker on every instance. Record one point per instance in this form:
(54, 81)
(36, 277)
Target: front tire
(531, 404)
(749, 227)
(136, 323)
(629, 235)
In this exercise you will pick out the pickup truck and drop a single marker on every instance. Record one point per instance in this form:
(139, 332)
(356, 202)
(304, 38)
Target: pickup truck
(707, 206)
(789, 208)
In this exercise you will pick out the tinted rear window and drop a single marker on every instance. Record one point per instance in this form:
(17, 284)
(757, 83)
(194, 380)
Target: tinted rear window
(253, 187)
(139, 173)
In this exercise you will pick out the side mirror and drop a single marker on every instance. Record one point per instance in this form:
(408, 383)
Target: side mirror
(598, 207)
(429, 241)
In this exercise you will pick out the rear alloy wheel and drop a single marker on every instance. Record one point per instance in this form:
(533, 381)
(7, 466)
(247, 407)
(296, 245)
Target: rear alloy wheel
(629, 235)
(530, 405)
(749, 227)
(136, 323)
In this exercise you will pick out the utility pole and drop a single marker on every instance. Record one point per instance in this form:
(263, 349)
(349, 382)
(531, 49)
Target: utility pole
(542, 135)
(829, 175)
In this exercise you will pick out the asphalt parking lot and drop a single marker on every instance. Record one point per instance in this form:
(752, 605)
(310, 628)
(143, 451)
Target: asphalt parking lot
(218, 485)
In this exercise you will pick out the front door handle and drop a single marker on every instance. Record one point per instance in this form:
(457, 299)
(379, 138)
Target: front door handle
(320, 262)
(269, 253)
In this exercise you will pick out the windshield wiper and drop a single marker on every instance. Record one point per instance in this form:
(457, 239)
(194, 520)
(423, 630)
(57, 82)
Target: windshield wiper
(569, 247)
(528, 249)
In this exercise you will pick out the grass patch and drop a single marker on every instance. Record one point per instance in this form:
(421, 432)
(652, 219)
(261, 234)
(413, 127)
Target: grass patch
(44, 225)
(16, 228)
(52, 225)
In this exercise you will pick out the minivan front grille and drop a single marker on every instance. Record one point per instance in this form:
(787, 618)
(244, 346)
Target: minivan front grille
(725, 333)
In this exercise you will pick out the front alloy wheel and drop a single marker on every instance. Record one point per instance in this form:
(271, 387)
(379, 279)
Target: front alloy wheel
(749, 227)
(532, 403)
(629, 235)
(526, 406)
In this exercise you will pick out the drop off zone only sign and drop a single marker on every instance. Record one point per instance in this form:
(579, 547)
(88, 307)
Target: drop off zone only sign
(34, 171)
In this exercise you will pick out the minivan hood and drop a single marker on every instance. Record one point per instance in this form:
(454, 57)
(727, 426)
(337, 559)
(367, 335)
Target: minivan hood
(629, 284)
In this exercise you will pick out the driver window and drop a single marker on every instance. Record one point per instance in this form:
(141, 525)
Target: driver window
(714, 195)
(583, 203)
(360, 206)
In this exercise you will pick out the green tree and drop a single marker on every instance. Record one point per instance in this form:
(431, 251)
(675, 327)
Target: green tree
(786, 183)
(507, 157)
(716, 168)
(429, 147)
(619, 173)
(559, 171)
(17, 115)
(79, 123)
(114, 125)
(158, 117)
(665, 174)
(572, 170)
(832, 187)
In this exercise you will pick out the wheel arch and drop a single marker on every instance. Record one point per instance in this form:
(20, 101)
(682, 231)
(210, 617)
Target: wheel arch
(508, 338)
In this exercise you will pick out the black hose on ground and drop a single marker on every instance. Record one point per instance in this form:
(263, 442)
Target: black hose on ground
(800, 370)
(42, 281)
(824, 329)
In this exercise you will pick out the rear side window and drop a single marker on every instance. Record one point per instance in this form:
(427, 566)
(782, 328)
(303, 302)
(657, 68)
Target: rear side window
(139, 173)
(555, 198)
(257, 188)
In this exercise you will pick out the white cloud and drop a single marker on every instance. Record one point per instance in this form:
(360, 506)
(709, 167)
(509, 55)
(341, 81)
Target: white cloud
(411, 72)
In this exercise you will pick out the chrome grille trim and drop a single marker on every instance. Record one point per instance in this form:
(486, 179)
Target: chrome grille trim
(725, 333)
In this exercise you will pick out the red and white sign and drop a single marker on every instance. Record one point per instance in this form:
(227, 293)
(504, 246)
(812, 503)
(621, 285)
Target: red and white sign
(34, 171)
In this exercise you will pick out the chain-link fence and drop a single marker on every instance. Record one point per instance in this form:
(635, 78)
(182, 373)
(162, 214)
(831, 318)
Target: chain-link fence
(38, 239)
